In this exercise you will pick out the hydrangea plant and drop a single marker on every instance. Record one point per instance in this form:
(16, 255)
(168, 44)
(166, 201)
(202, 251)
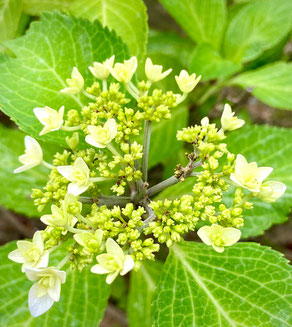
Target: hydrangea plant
(101, 204)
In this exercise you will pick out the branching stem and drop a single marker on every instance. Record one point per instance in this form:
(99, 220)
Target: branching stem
(146, 145)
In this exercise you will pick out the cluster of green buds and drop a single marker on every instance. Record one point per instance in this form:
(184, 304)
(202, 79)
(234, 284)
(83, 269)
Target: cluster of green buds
(101, 205)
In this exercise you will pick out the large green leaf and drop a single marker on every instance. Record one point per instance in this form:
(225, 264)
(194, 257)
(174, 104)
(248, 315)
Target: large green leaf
(83, 297)
(10, 12)
(142, 287)
(45, 57)
(163, 137)
(203, 21)
(36, 7)
(258, 26)
(268, 146)
(247, 285)
(210, 64)
(272, 84)
(16, 188)
(127, 18)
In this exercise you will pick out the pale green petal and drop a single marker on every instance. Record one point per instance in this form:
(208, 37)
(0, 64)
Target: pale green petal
(113, 248)
(231, 235)
(203, 233)
(128, 265)
(111, 277)
(99, 269)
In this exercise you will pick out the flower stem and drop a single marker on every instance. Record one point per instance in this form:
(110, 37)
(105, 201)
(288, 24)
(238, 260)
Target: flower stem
(46, 164)
(63, 261)
(146, 145)
(181, 98)
(84, 220)
(104, 85)
(90, 96)
(75, 230)
(113, 150)
(188, 172)
(131, 89)
(70, 128)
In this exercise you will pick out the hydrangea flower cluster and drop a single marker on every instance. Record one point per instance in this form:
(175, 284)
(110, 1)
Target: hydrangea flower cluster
(101, 205)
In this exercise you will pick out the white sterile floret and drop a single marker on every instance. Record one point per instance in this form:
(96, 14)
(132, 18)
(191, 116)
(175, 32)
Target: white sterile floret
(50, 118)
(76, 83)
(102, 70)
(113, 263)
(78, 175)
(91, 242)
(249, 175)
(187, 82)
(101, 136)
(230, 122)
(60, 216)
(123, 72)
(46, 290)
(271, 191)
(30, 254)
(154, 72)
(33, 155)
(219, 236)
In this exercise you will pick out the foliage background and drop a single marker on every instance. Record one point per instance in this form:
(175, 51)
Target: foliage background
(171, 42)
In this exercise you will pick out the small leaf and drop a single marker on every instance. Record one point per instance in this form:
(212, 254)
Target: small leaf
(272, 84)
(268, 146)
(16, 188)
(247, 285)
(127, 18)
(209, 63)
(142, 287)
(10, 13)
(82, 303)
(203, 21)
(36, 7)
(256, 27)
(45, 57)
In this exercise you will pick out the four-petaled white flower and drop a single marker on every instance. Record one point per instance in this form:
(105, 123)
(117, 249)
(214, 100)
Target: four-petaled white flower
(123, 72)
(101, 136)
(78, 175)
(249, 175)
(60, 216)
(91, 242)
(30, 254)
(154, 72)
(114, 262)
(187, 82)
(76, 83)
(271, 191)
(46, 290)
(33, 155)
(50, 118)
(218, 236)
(230, 122)
(102, 70)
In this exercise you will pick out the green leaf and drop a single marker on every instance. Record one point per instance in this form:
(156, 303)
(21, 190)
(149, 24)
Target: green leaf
(45, 57)
(258, 26)
(203, 21)
(142, 286)
(36, 7)
(171, 45)
(10, 13)
(247, 285)
(209, 63)
(82, 303)
(127, 18)
(268, 146)
(163, 137)
(16, 188)
(272, 84)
